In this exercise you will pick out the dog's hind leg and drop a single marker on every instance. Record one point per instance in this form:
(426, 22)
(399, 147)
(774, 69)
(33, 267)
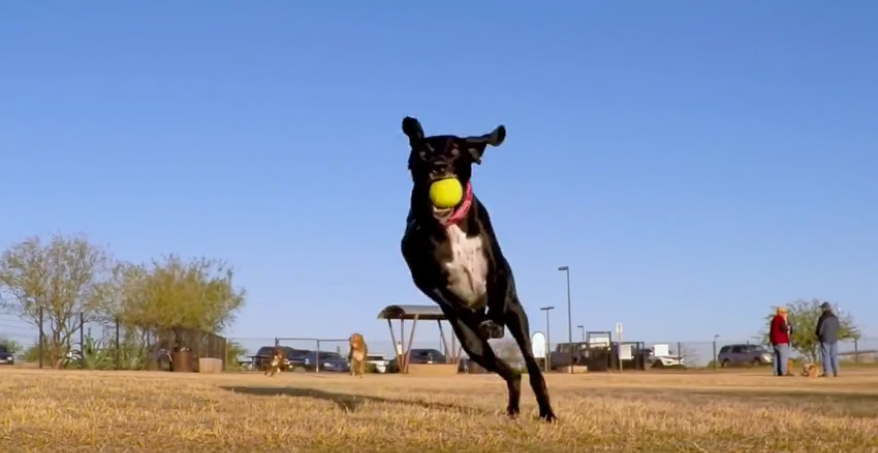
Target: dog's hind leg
(516, 320)
(475, 343)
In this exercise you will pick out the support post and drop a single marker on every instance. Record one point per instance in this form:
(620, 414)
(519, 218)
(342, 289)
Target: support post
(395, 351)
(449, 354)
(408, 350)
(81, 341)
(714, 354)
(42, 338)
(118, 358)
(317, 358)
(402, 347)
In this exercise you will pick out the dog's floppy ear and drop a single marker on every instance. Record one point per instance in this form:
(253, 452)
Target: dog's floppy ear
(478, 144)
(412, 128)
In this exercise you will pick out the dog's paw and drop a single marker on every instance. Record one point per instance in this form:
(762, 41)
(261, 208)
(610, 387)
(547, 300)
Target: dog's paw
(491, 329)
(548, 416)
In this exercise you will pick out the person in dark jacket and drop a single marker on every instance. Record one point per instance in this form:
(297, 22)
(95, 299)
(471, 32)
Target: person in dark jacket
(779, 337)
(827, 335)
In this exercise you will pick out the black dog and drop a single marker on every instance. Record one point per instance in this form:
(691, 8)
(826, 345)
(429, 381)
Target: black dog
(455, 259)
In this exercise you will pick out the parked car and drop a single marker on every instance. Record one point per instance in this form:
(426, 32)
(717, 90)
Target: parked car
(295, 357)
(426, 356)
(7, 356)
(327, 361)
(744, 354)
(378, 361)
(419, 356)
(653, 361)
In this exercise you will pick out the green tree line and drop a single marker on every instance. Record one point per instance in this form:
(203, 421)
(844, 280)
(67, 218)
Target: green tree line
(66, 279)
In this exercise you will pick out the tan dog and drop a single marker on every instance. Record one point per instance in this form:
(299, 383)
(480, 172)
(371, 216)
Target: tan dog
(357, 355)
(809, 370)
(278, 363)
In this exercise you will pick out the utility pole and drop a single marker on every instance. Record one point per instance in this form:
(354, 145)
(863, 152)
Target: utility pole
(566, 269)
(548, 365)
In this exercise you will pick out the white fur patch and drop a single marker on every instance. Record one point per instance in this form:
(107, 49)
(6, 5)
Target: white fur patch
(468, 268)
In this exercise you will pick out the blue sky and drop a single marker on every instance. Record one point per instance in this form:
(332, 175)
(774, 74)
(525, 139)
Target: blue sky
(694, 163)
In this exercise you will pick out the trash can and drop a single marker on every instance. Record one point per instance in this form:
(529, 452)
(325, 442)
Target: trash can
(181, 361)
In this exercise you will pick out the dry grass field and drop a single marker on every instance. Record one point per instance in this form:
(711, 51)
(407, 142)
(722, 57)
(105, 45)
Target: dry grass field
(66, 411)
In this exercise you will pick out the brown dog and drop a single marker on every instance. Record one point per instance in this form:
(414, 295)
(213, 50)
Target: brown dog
(809, 370)
(357, 355)
(277, 364)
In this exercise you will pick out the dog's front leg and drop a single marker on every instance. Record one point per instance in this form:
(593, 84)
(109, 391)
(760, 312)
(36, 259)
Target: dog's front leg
(494, 324)
(437, 296)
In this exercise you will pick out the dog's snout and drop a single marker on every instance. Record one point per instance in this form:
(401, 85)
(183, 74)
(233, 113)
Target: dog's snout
(439, 166)
(439, 169)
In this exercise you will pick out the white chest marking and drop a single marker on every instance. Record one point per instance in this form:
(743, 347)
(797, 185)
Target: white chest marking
(468, 268)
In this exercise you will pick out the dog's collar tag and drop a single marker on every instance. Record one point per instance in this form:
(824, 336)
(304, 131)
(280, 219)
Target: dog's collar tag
(461, 211)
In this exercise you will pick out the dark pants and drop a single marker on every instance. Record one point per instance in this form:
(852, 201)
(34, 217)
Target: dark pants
(829, 357)
(781, 356)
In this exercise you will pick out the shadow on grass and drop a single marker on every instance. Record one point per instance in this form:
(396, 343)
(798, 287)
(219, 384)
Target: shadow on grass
(804, 396)
(861, 405)
(350, 403)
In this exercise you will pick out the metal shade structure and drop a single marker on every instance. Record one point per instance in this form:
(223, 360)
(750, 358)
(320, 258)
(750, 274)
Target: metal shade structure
(414, 313)
(411, 312)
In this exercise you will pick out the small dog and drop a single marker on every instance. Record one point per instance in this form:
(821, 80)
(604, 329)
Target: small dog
(277, 364)
(455, 259)
(809, 370)
(357, 355)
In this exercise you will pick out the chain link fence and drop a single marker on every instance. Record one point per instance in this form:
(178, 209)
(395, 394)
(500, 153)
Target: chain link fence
(703, 353)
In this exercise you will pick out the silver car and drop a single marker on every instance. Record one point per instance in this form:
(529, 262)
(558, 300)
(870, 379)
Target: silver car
(744, 354)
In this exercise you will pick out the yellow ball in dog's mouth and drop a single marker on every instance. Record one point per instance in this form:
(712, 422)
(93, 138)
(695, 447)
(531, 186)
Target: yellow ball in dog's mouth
(446, 193)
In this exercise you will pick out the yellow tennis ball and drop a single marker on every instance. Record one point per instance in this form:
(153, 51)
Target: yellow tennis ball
(446, 193)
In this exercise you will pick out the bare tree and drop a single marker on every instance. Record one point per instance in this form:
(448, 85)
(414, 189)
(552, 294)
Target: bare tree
(63, 277)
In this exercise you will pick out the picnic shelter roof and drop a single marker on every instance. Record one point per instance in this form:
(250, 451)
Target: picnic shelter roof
(423, 312)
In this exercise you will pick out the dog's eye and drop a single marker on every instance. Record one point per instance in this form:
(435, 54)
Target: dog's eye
(454, 151)
(425, 152)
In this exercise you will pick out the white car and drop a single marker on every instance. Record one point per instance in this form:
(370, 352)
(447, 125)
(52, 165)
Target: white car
(661, 362)
(660, 357)
(379, 361)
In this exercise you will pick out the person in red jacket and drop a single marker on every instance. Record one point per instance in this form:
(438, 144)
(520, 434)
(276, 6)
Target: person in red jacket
(779, 337)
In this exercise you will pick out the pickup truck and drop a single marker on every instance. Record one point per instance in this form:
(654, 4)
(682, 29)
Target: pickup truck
(560, 357)
(378, 362)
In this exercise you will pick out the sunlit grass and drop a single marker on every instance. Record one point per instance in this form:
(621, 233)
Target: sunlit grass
(62, 411)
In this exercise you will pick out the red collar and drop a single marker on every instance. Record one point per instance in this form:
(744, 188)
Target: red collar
(463, 209)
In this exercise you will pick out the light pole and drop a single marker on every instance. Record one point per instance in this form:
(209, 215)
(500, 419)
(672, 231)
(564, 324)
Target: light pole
(548, 338)
(566, 269)
(582, 331)
(715, 337)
